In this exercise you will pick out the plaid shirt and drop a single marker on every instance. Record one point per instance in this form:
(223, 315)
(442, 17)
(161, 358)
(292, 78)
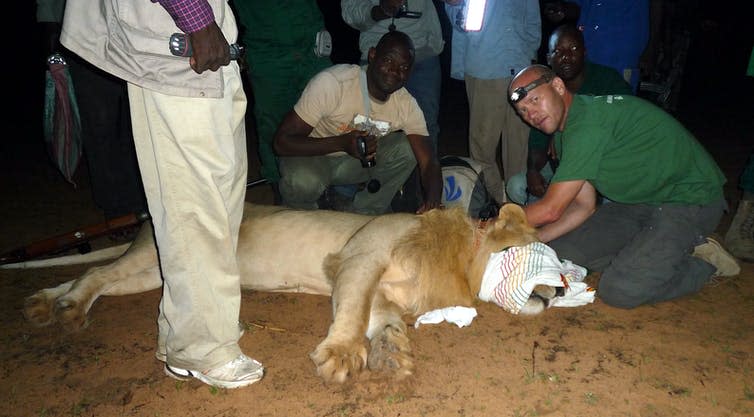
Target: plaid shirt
(189, 15)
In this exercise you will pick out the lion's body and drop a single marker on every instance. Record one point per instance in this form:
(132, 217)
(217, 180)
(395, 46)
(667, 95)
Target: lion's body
(377, 270)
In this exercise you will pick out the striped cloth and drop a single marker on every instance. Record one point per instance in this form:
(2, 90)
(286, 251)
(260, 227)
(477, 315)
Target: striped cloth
(512, 274)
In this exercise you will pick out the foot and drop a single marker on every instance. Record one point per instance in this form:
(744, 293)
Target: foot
(714, 254)
(740, 237)
(239, 372)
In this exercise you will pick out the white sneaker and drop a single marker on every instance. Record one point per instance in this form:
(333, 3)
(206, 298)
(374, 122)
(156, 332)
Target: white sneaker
(714, 254)
(239, 372)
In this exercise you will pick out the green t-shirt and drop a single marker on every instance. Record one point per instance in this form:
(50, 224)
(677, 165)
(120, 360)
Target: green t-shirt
(599, 81)
(633, 152)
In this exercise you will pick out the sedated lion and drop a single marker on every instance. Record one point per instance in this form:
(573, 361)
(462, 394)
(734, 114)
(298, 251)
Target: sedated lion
(376, 268)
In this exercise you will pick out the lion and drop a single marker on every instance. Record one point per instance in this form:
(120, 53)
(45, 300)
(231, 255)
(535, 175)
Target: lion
(377, 269)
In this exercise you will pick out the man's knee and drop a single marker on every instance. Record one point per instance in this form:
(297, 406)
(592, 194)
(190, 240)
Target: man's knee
(516, 188)
(301, 187)
(623, 292)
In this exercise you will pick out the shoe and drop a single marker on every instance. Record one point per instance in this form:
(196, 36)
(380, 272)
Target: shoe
(239, 372)
(740, 236)
(162, 356)
(713, 253)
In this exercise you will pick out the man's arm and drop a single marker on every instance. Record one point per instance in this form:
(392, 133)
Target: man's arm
(195, 17)
(565, 206)
(429, 171)
(362, 14)
(292, 139)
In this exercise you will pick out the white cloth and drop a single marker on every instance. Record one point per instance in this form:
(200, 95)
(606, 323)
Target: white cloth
(512, 274)
(460, 316)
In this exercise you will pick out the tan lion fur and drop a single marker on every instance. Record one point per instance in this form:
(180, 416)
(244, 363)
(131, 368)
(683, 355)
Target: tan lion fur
(378, 270)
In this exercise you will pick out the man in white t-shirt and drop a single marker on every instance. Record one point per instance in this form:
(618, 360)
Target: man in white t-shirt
(317, 140)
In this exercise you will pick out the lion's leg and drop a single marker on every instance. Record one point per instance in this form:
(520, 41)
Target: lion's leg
(343, 353)
(390, 346)
(134, 272)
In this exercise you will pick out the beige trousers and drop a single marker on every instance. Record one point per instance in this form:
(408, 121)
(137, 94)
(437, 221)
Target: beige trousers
(493, 121)
(192, 157)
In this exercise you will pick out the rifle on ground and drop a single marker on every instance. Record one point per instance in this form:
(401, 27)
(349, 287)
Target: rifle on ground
(78, 238)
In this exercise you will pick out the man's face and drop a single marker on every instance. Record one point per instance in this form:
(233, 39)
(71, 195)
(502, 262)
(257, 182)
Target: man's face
(543, 107)
(566, 56)
(390, 70)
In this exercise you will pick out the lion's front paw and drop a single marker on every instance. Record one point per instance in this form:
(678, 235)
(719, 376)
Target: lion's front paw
(335, 363)
(391, 352)
(38, 309)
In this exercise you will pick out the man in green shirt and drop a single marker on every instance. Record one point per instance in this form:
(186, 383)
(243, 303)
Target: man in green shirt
(567, 57)
(666, 192)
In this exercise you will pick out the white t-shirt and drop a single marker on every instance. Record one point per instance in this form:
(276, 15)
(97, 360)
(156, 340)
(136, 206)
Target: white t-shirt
(333, 97)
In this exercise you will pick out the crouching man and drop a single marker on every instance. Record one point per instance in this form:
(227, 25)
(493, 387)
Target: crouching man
(650, 242)
(318, 142)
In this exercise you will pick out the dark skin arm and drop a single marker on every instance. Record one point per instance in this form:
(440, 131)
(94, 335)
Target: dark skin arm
(429, 172)
(386, 9)
(292, 139)
(210, 49)
(535, 182)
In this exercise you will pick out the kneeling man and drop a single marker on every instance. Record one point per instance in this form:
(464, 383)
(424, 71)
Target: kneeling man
(317, 142)
(665, 191)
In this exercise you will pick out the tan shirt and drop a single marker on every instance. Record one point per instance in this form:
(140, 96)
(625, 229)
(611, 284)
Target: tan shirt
(333, 97)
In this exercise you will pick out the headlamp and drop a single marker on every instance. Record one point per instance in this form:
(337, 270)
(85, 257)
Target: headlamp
(521, 92)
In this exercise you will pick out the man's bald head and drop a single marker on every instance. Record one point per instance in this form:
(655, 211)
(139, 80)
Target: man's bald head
(395, 39)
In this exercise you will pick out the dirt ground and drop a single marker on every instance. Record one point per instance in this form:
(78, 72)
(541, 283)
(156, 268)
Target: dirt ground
(688, 357)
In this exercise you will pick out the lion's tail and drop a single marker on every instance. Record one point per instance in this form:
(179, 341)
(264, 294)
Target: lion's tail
(98, 255)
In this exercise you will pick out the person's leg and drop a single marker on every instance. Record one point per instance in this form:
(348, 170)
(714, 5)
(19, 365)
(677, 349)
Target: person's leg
(304, 179)
(514, 145)
(657, 264)
(194, 174)
(517, 186)
(486, 99)
(107, 140)
(277, 77)
(394, 162)
(425, 85)
(740, 236)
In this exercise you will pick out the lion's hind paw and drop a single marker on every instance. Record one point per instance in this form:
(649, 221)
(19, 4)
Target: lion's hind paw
(336, 363)
(391, 352)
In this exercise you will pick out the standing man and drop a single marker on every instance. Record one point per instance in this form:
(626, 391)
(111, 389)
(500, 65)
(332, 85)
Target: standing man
(283, 56)
(188, 126)
(317, 141)
(487, 61)
(665, 190)
(616, 32)
(418, 19)
(567, 58)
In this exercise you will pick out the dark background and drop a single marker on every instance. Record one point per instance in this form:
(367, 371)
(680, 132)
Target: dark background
(715, 100)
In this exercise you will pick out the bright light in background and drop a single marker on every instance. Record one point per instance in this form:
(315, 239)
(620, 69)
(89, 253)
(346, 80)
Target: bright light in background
(474, 12)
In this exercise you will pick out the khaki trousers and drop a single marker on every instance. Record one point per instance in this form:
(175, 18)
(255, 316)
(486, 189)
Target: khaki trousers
(192, 157)
(493, 121)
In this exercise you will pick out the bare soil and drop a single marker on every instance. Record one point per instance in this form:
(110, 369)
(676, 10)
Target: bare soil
(689, 357)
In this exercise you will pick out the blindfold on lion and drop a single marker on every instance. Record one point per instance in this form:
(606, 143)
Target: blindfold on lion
(377, 269)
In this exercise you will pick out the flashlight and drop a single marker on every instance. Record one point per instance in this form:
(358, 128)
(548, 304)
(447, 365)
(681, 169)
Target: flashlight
(473, 15)
(181, 46)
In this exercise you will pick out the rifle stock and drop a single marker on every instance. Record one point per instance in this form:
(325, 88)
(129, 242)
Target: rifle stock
(72, 239)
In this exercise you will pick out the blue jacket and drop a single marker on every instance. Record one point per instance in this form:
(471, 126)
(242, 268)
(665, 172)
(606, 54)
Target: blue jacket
(508, 42)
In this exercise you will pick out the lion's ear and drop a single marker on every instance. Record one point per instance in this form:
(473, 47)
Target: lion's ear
(511, 213)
